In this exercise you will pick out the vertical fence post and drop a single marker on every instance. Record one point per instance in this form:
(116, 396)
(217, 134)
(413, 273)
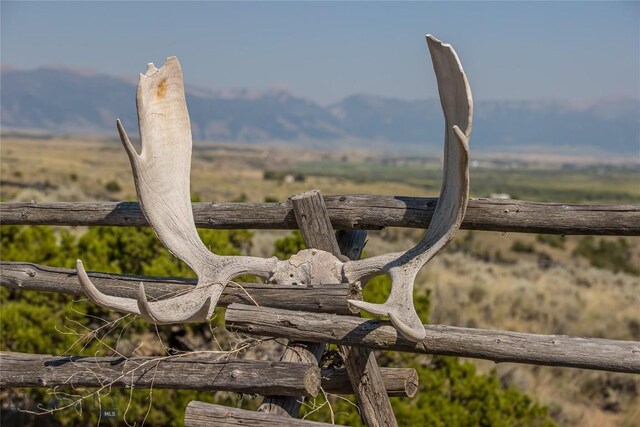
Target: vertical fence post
(362, 367)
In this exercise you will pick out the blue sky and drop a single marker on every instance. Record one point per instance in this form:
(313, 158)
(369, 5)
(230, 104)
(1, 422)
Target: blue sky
(325, 51)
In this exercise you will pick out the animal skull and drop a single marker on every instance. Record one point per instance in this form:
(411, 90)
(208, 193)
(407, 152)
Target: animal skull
(161, 174)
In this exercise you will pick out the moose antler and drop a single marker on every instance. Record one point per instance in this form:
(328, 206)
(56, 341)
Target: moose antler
(161, 174)
(457, 105)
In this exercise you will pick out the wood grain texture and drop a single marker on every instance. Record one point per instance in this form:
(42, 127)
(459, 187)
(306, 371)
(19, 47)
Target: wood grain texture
(323, 299)
(368, 386)
(364, 212)
(175, 372)
(162, 175)
(301, 351)
(365, 376)
(498, 346)
(298, 352)
(360, 363)
(200, 414)
(314, 223)
(398, 382)
(38, 370)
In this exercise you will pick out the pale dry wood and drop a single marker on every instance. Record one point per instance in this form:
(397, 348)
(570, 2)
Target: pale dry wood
(314, 223)
(184, 372)
(312, 298)
(200, 414)
(349, 212)
(299, 351)
(498, 346)
(368, 386)
(398, 382)
(360, 363)
(365, 376)
(402, 267)
(161, 173)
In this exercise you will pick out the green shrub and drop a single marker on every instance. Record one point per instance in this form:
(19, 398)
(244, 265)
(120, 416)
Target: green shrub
(49, 323)
(242, 198)
(112, 186)
(289, 245)
(614, 255)
(451, 392)
(522, 247)
(553, 240)
(270, 175)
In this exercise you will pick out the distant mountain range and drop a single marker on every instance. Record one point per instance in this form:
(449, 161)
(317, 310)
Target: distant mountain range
(70, 102)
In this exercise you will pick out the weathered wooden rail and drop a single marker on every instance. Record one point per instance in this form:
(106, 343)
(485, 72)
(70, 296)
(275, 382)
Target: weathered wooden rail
(196, 373)
(326, 299)
(161, 174)
(266, 310)
(307, 315)
(348, 212)
(200, 414)
(498, 346)
(205, 373)
(360, 362)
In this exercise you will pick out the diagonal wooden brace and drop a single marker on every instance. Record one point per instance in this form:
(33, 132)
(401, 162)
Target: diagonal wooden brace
(360, 362)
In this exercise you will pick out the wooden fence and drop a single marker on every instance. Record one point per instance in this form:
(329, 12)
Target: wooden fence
(310, 316)
(352, 212)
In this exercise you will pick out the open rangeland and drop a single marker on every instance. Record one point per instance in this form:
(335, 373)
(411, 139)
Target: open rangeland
(528, 283)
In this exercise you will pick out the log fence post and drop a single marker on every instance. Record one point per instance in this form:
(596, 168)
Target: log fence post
(360, 362)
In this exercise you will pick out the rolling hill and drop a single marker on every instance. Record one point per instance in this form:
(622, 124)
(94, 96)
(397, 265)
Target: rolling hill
(71, 102)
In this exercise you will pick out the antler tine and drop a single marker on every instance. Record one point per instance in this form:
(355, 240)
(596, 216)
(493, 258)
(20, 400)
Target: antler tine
(457, 105)
(194, 308)
(117, 303)
(161, 174)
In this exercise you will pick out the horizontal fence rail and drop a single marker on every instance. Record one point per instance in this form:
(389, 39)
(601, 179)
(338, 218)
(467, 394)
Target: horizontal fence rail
(351, 212)
(398, 382)
(498, 346)
(175, 372)
(200, 414)
(188, 372)
(325, 299)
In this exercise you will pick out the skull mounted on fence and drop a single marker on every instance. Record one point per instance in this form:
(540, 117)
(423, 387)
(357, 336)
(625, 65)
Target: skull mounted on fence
(162, 173)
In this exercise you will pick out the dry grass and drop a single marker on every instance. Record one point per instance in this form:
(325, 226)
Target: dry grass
(567, 299)
(570, 297)
(490, 285)
(73, 170)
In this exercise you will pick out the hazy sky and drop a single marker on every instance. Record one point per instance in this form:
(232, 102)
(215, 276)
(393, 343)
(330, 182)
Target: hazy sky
(328, 50)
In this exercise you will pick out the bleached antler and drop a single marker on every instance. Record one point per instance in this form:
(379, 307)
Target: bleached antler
(161, 173)
(457, 105)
